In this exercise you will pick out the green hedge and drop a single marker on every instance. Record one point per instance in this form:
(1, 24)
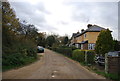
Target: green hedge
(90, 56)
(78, 55)
(64, 51)
(84, 56)
(67, 51)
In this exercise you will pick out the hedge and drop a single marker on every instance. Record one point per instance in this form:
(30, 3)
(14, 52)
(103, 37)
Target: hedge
(90, 56)
(67, 51)
(84, 56)
(78, 55)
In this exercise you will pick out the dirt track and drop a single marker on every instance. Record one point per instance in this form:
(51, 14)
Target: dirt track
(52, 66)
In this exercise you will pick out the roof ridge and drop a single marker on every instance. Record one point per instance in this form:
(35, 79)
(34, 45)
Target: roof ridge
(93, 28)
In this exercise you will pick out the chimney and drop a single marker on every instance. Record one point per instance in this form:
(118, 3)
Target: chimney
(82, 30)
(78, 32)
(89, 25)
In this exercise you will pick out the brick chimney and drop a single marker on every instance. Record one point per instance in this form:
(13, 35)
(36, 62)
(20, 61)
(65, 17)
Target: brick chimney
(82, 30)
(78, 32)
(89, 25)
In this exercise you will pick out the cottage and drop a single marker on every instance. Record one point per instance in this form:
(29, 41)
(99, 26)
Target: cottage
(87, 38)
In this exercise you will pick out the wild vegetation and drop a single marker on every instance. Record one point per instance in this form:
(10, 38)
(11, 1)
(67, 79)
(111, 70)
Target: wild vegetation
(18, 38)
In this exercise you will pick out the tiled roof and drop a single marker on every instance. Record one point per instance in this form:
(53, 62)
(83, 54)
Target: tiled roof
(75, 34)
(93, 28)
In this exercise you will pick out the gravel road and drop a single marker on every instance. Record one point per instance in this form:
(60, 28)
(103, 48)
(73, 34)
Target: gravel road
(51, 66)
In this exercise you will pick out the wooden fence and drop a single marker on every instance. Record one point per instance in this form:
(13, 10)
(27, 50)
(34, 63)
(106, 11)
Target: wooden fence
(112, 64)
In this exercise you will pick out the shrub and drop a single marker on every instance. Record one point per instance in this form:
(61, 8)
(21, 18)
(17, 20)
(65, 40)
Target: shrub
(32, 52)
(78, 55)
(18, 54)
(54, 47)
(90, 56)
(73, 47)
(65, 51)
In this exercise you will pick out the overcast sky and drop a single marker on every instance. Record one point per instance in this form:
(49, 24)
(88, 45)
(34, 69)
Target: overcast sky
(67, 16)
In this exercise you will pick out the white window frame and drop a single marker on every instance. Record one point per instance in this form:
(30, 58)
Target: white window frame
(91, 46)
(81, 46)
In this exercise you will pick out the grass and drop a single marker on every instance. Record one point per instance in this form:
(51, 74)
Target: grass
(115, 77)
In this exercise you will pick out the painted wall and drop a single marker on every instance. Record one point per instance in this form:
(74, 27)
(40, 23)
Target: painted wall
(80, 39)
(91, 37)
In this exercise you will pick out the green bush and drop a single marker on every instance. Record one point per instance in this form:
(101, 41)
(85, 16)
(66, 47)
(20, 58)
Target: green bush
(82, 55)
(15, 60)
(63, 50)
(90, 56)
(18, 54)
(73, 48)
(78, 55)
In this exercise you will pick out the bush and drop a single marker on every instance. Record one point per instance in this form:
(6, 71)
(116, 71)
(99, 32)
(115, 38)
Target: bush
(9, 62)
(78, 55)
(63, 50)
(81, 56)
(18, 54)
(90, 56)
(73, 48)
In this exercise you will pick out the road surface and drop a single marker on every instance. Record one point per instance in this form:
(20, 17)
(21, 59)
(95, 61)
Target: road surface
(52, 66)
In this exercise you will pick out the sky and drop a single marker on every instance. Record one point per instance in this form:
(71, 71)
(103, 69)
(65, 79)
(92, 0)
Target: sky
(65, 17)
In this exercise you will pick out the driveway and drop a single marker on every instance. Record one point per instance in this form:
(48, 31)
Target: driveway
(52, 66)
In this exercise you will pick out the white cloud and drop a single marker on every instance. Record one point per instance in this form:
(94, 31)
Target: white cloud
(66, 17)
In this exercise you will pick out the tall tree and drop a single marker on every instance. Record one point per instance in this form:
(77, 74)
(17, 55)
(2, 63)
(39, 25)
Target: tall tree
(65, 40)
(10, 23)
(50, 40)
(104, 42)
(15, 51)
(41, 39)
(116, 45)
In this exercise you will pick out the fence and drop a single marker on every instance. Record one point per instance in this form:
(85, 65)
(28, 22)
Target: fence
(112, 64)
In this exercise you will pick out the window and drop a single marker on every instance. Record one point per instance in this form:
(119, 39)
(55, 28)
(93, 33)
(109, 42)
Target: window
(81, 46)
(84, 35)
(77, 45)
(91, 46)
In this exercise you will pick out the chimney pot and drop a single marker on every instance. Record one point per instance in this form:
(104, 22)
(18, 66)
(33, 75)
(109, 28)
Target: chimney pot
(89, 25)
(82, 30)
